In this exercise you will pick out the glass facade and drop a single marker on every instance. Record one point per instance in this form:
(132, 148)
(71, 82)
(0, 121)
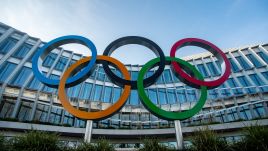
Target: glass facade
(24, 98)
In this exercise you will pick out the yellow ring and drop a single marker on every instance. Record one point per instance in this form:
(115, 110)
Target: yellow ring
(100, 114)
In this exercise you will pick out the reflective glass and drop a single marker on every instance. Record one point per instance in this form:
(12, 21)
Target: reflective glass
(34, 83)
(234, 66)
(243, 63)
(245, 83)
(86, 91)
(202, 69)
(134, 97)
(7, 45)
(263, 56)
(51, 57)
(153, 95)
(212, 69)
(97, 92)
(162, 96)
(254, 60)
(22, 51)
(5, 70)
(107, 94)
(21, 76)
(61, 63)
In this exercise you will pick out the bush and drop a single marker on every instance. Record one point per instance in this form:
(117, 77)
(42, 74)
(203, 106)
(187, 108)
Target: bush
(36, 141)
(153, 145)
(85, 147)
(207, 140)
(103, 145)
(256, 138)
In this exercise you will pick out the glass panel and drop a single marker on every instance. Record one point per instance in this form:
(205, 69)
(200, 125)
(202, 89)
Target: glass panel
(245, 83)
(97, 93)
(181, 94)
(162, 96)
(22, 51)
(107, 94)
(5, 70)
(212, 69)
(7, 107)
(202, 69)
(49, 89)
(259, 110)
(134, 75)
(51, 57)
(134, 97)
(152, 95)
(61, 63)
(233, 65)
(167, 76)
(68, 119)
(254, 60)
(74, 91)
(34, 84)
(86, 91)
(41, 112)
(263, 56)
(171, 96)
(55, 115)
(21, 76)
(25, 111)
(242, 62)
(235, 86)
(117, 94)
(257, 80)
(7, 45)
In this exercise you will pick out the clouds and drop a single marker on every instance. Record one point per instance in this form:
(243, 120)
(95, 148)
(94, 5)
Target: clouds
(225, 23)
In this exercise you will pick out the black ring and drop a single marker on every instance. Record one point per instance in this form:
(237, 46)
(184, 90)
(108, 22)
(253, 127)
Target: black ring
(134, 40)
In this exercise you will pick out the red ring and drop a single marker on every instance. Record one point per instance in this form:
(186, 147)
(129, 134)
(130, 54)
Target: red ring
(208, 46)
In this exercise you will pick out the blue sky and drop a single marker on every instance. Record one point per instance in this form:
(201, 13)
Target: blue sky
(226, 23)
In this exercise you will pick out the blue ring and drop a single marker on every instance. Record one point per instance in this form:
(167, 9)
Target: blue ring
(48, 47)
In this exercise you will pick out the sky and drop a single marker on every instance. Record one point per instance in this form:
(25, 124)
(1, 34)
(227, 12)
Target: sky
(225, 23)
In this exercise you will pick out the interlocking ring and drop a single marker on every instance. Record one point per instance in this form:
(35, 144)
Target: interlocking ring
(100, 114)
(134, 40)
(187, 79)
(84, 67)
(40, 55)
(169, 115)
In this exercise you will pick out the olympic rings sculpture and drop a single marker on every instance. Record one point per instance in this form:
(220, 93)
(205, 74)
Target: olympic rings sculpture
(80, 70)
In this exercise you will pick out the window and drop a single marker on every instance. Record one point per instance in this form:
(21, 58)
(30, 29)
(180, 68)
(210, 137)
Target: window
(134, 97)
(97, 93)
(191, 95)
(49, 60)
(243, 63)
(213, 94)
(171, 96)
(152, 95)
(245, 113)
(74, 91)
(167, 76)
(24, 111)
(22, 51)
(5, 70)
(61, 63)
(233, 65)
(259, 110)
(86, 91)
(55, 115)
(162, 96)
(265, 74)
(263, 56)
(257, 80)
(21, 76)
(117, 94)
(181, 94)
(49, 89)
(134, 75)
(202, 69)
(212, 69)
(68, 119)
(7, 108)
(235, 88)
(7, 45)
(254, 60)
(245, 83)
(107, 94)
(41, 112)
(34, 84)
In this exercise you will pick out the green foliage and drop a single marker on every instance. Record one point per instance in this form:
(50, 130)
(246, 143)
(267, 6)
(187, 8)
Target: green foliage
(153, 145)
(36, 141)
(103, 145)
(256, 138)
(85, 147)
(207, 140)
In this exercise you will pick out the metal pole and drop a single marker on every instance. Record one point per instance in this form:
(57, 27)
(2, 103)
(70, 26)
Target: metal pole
(88, 132)
(179, 137)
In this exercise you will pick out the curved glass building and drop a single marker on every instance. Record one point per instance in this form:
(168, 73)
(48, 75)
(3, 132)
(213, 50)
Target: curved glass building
(25, 103)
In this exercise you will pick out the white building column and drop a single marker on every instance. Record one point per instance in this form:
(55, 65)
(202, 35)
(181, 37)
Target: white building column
(179, 137)
(88, 132)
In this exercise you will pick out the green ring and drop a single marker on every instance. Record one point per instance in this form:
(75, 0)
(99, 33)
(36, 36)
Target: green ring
(169, 115)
